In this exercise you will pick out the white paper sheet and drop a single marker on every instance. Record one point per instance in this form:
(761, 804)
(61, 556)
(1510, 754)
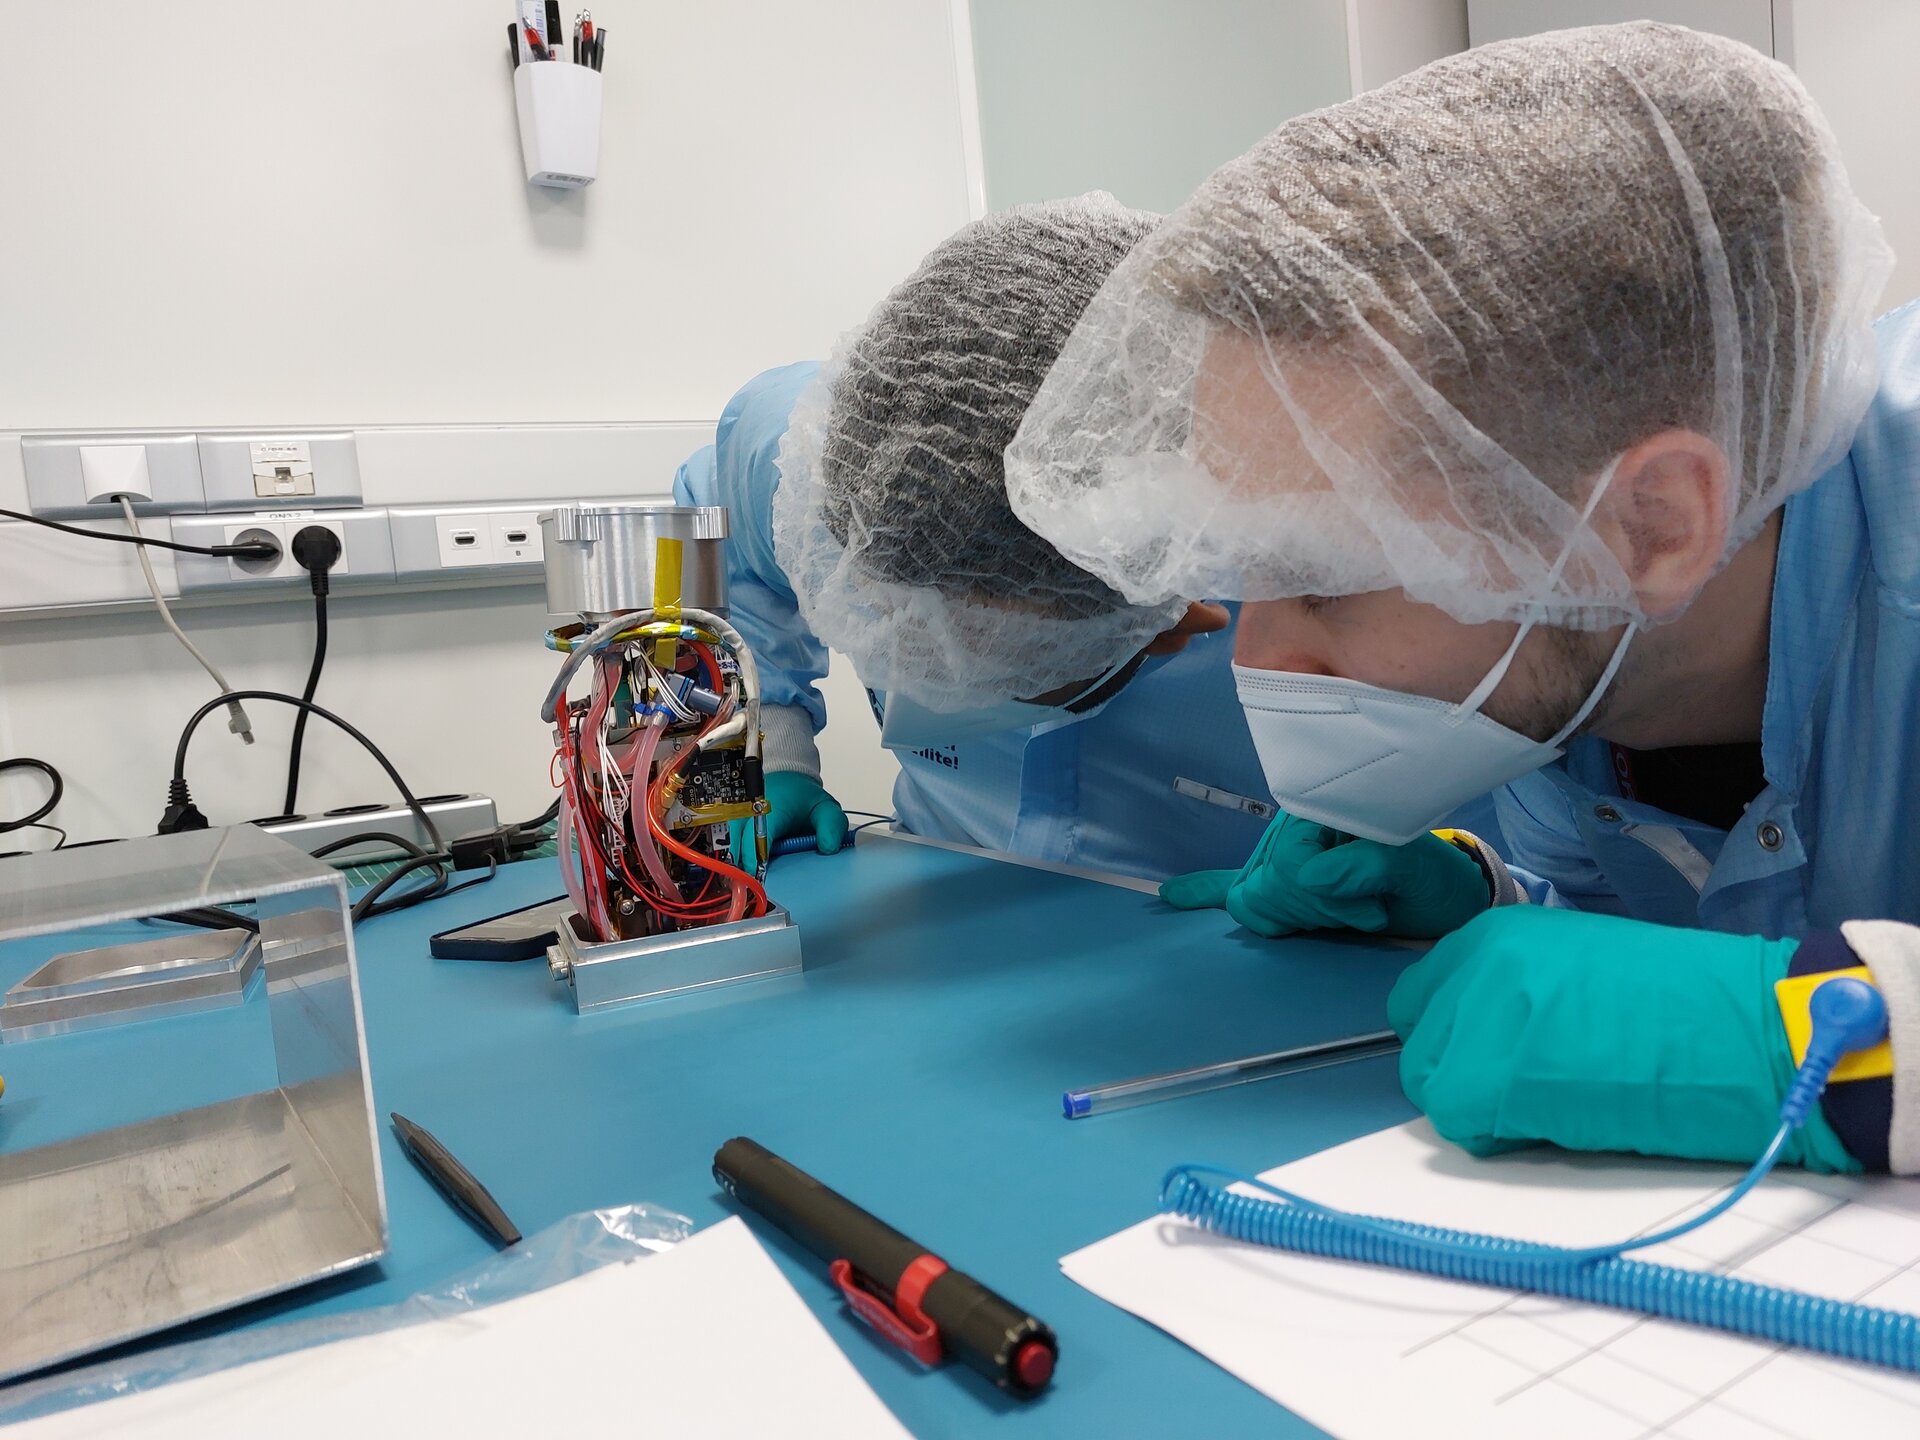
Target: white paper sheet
(706, 1339)
(1374, 1354)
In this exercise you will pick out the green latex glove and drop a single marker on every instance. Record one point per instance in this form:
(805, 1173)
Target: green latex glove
(799, 805)
(1596, 1033)
(1304, 876)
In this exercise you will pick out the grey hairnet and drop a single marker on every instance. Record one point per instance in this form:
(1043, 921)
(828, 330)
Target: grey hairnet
(1401, 342)
(891, 518)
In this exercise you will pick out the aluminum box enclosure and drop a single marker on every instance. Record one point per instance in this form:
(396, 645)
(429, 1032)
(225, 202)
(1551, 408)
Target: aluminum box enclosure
(120, 1232)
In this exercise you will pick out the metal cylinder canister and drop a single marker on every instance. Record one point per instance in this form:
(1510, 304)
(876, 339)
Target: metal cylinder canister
(604, 560)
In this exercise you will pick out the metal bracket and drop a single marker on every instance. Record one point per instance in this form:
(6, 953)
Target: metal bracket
(627, 972)
(171, 975)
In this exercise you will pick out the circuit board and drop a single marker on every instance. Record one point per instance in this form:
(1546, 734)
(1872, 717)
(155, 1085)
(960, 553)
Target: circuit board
(718, 787)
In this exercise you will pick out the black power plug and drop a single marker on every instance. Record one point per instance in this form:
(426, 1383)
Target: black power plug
(498, 846)
(181, 813)
(316, 550)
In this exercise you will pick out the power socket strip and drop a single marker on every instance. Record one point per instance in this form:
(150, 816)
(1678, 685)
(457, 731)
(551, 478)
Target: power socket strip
(456, 815)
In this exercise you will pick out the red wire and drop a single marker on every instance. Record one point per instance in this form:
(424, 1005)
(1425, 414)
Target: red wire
(592, 823)
(592, 866)
(661, 834)
(712, 666)
(679, 905)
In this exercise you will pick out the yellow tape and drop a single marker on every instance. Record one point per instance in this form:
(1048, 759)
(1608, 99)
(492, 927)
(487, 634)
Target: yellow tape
(710, 814)
(666, 597)
(1464, 841)
(1793, 994)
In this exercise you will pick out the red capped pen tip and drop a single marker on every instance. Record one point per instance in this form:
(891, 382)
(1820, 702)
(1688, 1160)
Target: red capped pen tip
(1034, 1364)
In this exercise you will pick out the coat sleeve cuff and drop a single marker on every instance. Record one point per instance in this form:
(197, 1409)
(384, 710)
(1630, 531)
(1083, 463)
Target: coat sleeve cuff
(1859, 1111)
(1503, 888)
(789, 741)
(1892, 951)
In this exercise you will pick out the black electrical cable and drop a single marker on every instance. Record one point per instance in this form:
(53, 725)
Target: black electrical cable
(316, 549)
(178, 797)
(291, 804)
(375, 902)
(57, 787)
(182, 814)
(60, 844)
(212, 917)
(252, 550)
(539, 822)
(369, 837)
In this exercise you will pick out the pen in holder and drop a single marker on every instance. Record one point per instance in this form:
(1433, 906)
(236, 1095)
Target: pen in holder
(559, 106)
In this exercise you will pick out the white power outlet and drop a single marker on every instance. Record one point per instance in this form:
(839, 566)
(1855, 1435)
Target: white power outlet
(297, 521)
(516, 538)
(259, 569)
(282, 527)
(464, 540)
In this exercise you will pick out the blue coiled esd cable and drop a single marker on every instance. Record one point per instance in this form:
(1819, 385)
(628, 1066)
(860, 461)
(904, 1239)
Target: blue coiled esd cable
(1847, 1015)
(806, 844)
(792, 845)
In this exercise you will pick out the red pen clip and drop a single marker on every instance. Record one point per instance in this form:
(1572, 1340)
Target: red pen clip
(904, 1323)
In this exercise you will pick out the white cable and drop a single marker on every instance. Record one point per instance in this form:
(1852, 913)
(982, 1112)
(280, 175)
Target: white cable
(604, 636)
(237, 720)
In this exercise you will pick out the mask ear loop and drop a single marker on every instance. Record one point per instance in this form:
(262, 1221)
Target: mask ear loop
(1490, 682)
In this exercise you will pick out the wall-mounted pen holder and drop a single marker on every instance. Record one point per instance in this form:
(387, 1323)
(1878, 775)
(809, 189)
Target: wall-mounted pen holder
(559, 107)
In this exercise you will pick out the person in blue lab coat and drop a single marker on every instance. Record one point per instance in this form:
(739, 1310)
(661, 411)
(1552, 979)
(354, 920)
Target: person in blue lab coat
(1533, 407)
(1031, 709)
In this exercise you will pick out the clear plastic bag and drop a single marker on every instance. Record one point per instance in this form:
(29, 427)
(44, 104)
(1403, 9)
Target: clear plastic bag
(565, 1250)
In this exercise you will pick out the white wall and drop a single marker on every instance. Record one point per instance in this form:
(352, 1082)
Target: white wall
(285, 214)
(1387, 38)
(1143, 97)
(1857, 57)
(279, 212)
(1747, 20)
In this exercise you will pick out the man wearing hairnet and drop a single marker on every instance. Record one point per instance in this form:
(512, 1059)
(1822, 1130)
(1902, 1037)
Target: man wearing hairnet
(1533, 402)
(1032, 709)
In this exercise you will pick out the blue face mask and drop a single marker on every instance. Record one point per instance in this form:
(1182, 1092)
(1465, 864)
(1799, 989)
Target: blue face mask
(905, 725)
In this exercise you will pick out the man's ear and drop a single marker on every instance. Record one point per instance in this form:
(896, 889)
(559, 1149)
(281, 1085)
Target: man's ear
(1665, 517)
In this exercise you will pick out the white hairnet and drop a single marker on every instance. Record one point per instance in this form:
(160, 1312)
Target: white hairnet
(1400, 342)
(891, 518)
